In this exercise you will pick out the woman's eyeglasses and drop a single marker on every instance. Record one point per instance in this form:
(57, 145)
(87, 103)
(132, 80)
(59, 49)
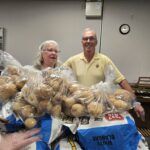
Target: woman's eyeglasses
(51, 50)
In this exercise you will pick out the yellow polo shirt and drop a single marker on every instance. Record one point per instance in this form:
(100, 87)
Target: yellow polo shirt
(90, 73)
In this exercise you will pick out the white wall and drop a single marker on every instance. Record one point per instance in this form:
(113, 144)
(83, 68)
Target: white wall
(131, 52)
(30, 22)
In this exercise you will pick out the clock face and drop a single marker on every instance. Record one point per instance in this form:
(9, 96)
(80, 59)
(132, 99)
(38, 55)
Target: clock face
(124, 29)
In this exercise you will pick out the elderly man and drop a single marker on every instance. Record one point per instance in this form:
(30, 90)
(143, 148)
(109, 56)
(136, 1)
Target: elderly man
(89, 66)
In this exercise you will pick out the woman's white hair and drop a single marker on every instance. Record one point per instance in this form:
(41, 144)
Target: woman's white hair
(39, 59)
(43, 44)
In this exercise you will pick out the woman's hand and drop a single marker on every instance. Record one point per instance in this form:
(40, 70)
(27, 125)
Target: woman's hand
(18, 140)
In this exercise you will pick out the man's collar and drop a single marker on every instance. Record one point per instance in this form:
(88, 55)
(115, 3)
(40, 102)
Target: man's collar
(82, 57)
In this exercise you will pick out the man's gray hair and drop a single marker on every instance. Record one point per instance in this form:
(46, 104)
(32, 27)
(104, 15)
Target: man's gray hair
(91, 30)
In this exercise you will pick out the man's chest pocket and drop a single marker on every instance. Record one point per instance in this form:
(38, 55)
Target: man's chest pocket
(97, 72)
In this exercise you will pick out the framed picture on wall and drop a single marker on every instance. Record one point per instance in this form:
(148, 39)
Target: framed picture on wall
(1, 48)
(1, 38)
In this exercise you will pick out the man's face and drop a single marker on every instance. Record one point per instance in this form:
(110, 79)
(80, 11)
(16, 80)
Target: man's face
(89, 41)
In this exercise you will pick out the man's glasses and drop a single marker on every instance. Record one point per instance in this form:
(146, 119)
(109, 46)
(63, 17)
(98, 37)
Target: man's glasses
(90, 38)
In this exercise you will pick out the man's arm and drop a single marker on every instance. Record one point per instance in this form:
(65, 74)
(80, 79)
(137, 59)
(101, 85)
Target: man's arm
(125, 85)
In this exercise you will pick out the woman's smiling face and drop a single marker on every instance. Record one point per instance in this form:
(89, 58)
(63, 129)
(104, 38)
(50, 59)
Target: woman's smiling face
(50, 54)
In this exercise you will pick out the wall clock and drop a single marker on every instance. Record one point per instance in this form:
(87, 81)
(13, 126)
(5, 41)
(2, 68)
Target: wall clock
(124, 29)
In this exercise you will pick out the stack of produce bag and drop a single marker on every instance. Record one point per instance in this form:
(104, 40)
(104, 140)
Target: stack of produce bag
(107, 125)
(53, 100)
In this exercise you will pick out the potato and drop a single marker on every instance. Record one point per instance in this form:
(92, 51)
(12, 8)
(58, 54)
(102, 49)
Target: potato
(85, 97)
(49, 107)
(4, 80)
(7, 90)
(17, 106)
(13, 70)
(30, 122)
(19, 97)
(26, 91)
(119, 104)
(73, 87)
(27, 111)
(123, 95)
(56, 111)
(78, 110)
(43, 91)
(68, 102)
(20, 83)
(112, 98)
(43, 105)
(32, 99)
(95, 109)
(55, 85)
(57, 99)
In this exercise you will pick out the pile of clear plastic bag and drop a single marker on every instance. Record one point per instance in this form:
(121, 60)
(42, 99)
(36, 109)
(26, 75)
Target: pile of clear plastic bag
(55, 102)
(55, 91)
(118, 99)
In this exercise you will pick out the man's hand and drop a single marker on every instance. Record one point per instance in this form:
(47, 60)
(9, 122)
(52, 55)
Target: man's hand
(139, 110)
(137, 106)
(18, 140)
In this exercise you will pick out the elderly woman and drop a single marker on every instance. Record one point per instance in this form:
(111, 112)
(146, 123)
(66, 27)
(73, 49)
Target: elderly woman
(48, 55)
